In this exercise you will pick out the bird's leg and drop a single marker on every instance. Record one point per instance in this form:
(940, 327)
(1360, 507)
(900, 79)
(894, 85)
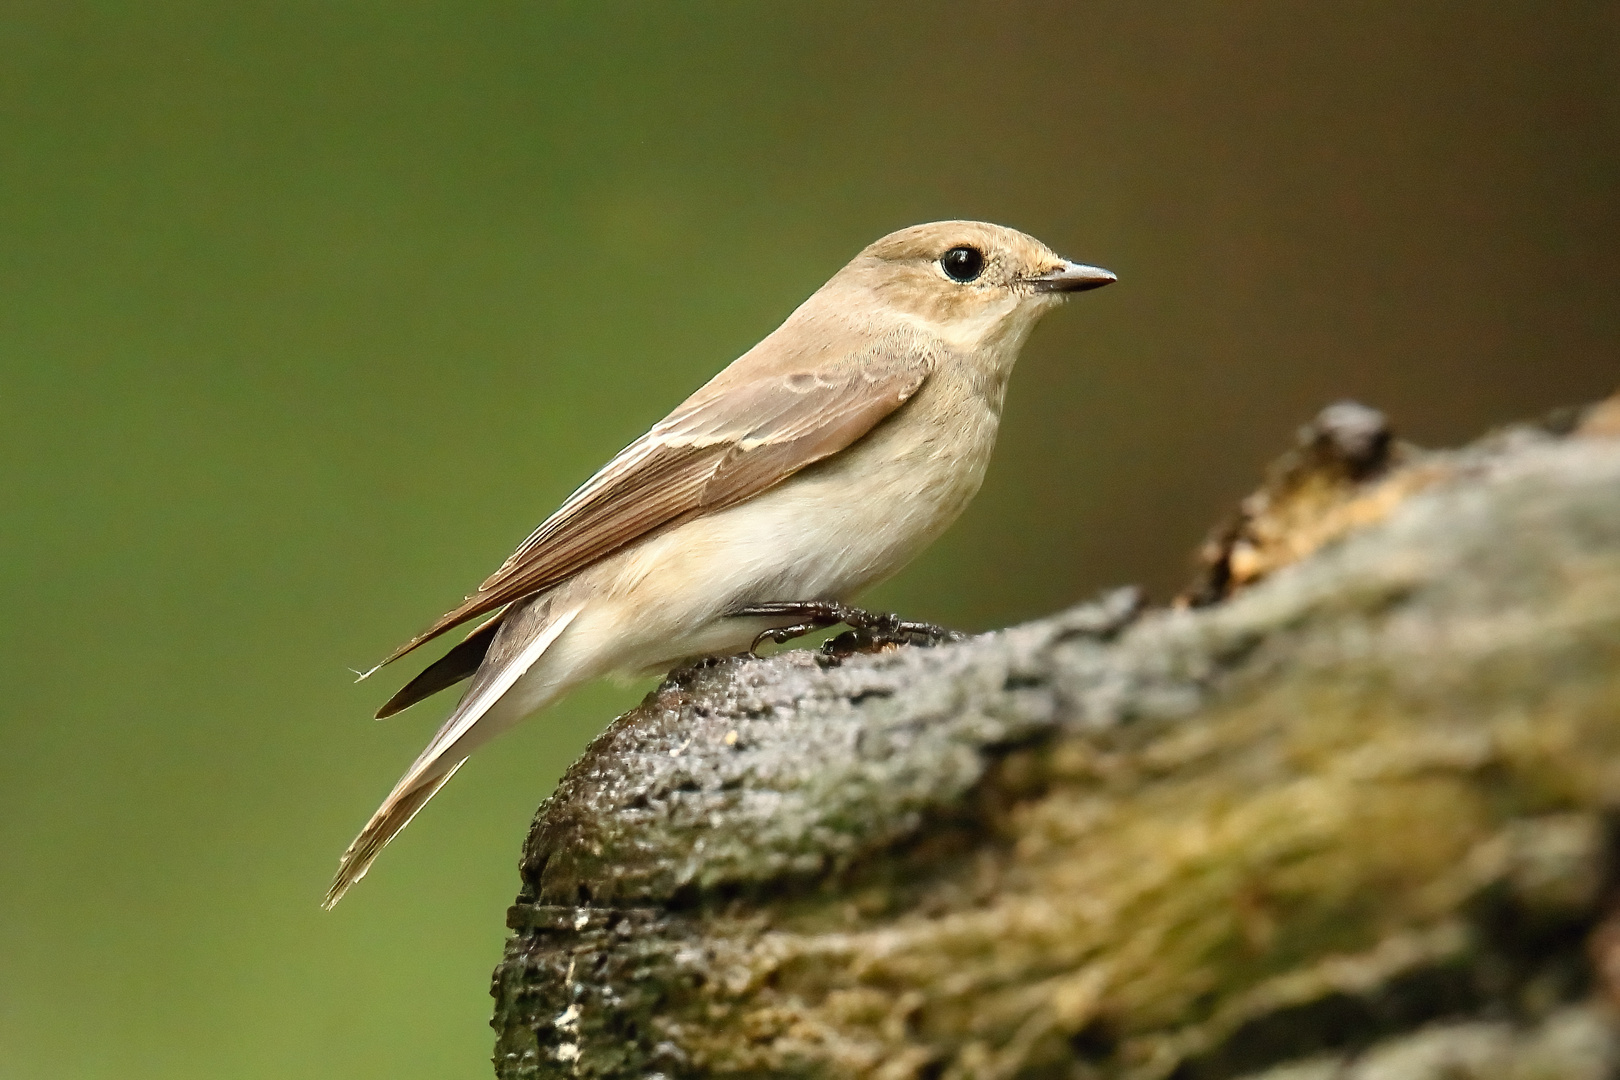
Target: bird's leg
(868, 629)
(813, 615)
(780, 634)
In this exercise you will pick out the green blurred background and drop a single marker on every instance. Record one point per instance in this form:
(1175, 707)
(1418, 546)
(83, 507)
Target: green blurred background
(312, 310)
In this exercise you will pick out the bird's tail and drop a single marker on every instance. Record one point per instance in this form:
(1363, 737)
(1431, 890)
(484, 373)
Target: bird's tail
(393, 815)
(509, 658)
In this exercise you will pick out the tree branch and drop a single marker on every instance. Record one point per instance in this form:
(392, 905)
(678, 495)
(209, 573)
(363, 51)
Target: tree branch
(1365, 787)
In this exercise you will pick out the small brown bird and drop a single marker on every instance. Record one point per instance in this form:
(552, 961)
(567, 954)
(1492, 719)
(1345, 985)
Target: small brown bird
(819, 463)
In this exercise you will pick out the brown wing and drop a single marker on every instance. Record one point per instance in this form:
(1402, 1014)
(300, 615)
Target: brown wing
(461, 662)
(733, 439)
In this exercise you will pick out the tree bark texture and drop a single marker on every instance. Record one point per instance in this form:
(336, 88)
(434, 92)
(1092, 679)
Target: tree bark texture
(1344, 813)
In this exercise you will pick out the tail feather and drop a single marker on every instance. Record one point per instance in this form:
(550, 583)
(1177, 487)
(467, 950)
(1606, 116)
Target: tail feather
(384, 825)
(510, 656)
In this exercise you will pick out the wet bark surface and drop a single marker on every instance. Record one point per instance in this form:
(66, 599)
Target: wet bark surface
(1347, 810)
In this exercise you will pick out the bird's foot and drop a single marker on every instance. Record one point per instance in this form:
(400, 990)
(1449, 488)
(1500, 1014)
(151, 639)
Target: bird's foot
(867, 629)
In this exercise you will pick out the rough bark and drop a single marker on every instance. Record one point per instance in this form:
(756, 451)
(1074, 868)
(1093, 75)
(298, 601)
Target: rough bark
(1346, 812)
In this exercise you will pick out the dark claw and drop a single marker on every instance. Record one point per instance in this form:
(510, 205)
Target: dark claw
(867, 629)
(780, 634)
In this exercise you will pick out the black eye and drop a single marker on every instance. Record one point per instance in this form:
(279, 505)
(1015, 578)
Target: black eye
(962, 264)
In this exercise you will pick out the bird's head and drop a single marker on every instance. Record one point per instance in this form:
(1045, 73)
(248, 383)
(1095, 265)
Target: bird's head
(973, 284)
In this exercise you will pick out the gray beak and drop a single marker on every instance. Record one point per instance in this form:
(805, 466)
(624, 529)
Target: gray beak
(1072, 277)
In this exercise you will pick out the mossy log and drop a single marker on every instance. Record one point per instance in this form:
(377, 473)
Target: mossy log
(1345, 811)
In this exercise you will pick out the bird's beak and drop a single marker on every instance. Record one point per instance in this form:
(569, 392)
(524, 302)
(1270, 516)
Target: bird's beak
(1072, 277)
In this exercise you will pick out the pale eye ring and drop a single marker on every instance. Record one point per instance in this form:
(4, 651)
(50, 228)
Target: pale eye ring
(962, 264)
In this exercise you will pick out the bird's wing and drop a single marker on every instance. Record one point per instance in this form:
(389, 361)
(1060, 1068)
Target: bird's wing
(459, 663)
(736, 437)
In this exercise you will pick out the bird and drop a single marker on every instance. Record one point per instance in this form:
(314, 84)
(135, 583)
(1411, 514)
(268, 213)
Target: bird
(815, 465)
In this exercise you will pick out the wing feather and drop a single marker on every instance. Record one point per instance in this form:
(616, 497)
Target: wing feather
(735, 438)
